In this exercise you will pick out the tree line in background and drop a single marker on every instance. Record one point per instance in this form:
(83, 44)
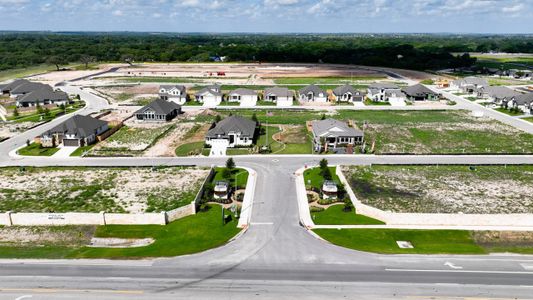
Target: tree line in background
(419, 52)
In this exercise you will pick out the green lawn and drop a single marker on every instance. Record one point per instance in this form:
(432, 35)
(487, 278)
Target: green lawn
(23, 72)
(529, 119)
(35, 149)
(335, 215)
(81, 150)
(55, 112)
(508, 112)
(239, 177)
(378, 103)
(384, 240)
(267, 139)
(186, 149)
(238, 151)
(188, 235)
(313, 176)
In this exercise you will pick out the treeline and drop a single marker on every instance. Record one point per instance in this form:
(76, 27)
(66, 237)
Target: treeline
(403, 51)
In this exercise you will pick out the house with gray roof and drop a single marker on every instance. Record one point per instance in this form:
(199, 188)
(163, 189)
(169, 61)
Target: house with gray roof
(174, 93)
(210, 96)
(313, 93)
(43, 96)
(158, 111)
(524, 102)
(6, 88)
(419, 92)
(26, 88)
(76, 131)
(282, 96)
(499, 95)
(348, 93)
(244, 97)
(233, 131)
(336, 136)
(382, 91)
(469, 84)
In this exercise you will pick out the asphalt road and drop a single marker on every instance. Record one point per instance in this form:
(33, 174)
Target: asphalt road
(275, 257)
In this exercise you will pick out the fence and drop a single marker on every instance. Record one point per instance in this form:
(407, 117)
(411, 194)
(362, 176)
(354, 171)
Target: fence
(435, 219)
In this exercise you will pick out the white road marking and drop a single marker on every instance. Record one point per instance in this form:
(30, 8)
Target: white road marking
(261, 223)
(527, 266)
(451, 265)
(459, 271)
(24, 297)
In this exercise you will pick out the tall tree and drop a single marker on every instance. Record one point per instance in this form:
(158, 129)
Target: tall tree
(86, 60)
(56, 60)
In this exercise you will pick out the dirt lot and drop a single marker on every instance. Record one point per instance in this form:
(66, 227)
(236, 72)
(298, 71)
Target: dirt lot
(58, 76)
(8, 130)
(46, 236)
(129, 190)
(134, 94)
(444, 189)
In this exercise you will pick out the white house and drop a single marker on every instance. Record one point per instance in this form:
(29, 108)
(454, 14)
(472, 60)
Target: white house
(210, 96)
(524, 102)
(282, 96)
(174, 93)
(470, 84)
(313, 93)
(383, 91)
(233, 131)
(245, 97)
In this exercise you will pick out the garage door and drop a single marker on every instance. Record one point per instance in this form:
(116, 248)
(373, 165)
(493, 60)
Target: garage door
(71, 143)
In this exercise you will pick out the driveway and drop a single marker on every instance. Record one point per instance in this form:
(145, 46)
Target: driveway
(64, 152)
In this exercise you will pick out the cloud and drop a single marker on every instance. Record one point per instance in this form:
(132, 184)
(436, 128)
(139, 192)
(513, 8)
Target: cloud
(513, 9)
(118, 13)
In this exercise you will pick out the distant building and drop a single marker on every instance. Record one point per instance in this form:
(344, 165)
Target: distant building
(210, 96)
(174, 93)
(499, 95)
(43, 96)
(348, 93)
(26, 88)
(158, 111)
(470, 84)
(76, 131)
(419, 92)
(280, 95)
(523, 102)
(244, 97)
(313, 93)
(383, 92)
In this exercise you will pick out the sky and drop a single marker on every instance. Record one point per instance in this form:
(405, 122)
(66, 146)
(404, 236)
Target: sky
(276, 16)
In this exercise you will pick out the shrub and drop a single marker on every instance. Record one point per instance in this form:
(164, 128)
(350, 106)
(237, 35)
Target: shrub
(316, 209)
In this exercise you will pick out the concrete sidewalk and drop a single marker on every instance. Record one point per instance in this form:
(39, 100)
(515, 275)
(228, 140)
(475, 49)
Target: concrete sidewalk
(427, 227)
(64, 152)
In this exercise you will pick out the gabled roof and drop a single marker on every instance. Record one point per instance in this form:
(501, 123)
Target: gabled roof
(524, 99)
(209, 89)
(341, 90)
(233, 124)
(28, 87)
(160, 107)
(471, 80)
(41, 95)
(9, 86)
(332, 127)
(501, 92)
(418, 90)
(279, 91)
(80, 126)
(243, 92)
(312, 89)
(171, 87)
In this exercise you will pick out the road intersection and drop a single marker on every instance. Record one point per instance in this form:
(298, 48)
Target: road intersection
(276, 257)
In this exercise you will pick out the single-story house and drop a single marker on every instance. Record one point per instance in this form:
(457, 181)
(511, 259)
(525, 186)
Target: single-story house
(245, 97)
(313, 93)
(158, 111)
(334, 135)
(43, 96)
(499, 95)
(348, 93)
(383, 91)
(524, 102)
(282, 96)
(233, 131)
(26, 88)
(76, 131)
(6, 88)
(470, 84)
(174, 93)
(419, 92)
(210, 96)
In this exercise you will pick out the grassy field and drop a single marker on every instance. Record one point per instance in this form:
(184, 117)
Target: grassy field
(35, 149)
(444, 189)
(335, 215)
(130, 141)
(324, 80)
(312, 177)
(23, 72)
(239, 177)
(186, 149)
(188, 235)
(384, 241)
(81, 150)
(508, 112)
(529, 119)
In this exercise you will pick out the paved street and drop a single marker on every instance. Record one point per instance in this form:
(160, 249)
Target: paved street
(275, 257)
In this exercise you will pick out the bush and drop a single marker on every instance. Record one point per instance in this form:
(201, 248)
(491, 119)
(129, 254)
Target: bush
(315, 209)
(348, 205)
